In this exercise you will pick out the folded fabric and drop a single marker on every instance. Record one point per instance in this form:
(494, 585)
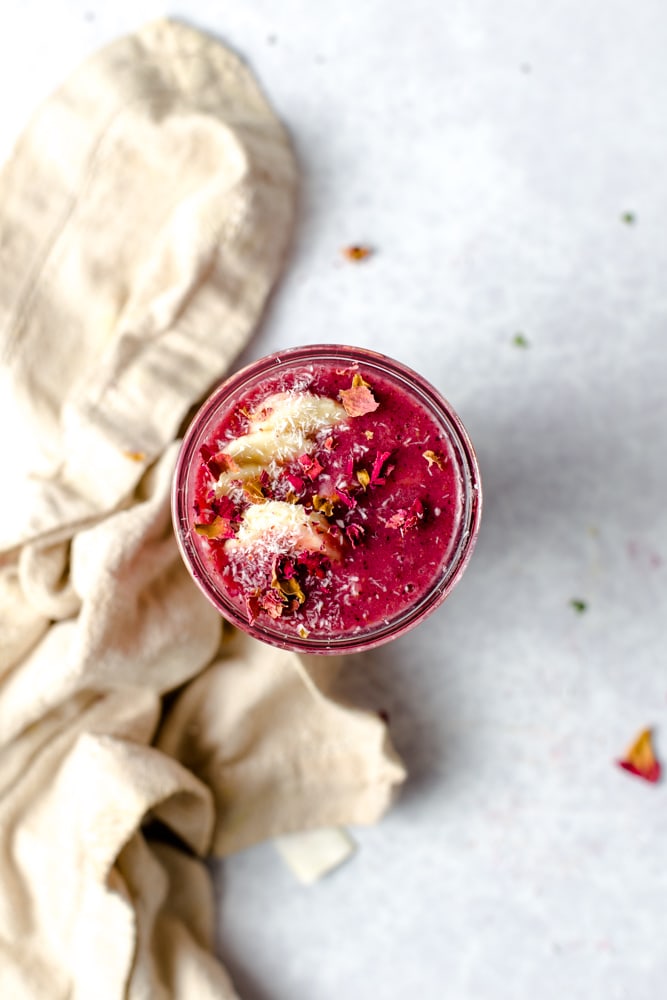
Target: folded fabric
(144, 217)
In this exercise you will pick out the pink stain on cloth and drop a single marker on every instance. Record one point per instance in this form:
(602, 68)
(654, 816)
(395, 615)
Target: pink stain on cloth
(144, 217)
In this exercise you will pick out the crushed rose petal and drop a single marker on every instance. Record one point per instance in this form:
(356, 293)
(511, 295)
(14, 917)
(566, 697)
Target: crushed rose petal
(290, 588)
(217, 462)
(311, 467)
(415, 513)
(224, 506)
(346, 498)
(640, 758)
(314, 563)
(252, 605)
(335, 532)
(376, 478)
(358, 399)
(219, 527)
(285, 582)
(357, 252)
(204, 515)
(433, 459)
(324, 504)
(254, 491)
(397, 520)
(272, 603)
(355, 533)
(405, 518)
(285, 568)
(296, 482)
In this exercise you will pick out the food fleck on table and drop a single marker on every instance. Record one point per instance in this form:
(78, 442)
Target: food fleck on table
(640, 758)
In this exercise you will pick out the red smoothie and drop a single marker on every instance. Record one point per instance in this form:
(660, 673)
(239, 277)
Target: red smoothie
(327, 500)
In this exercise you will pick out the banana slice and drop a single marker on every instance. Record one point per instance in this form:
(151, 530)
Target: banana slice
(284, 427)
(286, 527)
(301, 412)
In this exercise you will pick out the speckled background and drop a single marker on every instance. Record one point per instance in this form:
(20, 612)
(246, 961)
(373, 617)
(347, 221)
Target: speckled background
(489, 153)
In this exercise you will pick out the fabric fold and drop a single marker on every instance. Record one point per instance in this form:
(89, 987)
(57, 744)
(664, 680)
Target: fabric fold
(145, 211)
(278, 754)
(144, 218)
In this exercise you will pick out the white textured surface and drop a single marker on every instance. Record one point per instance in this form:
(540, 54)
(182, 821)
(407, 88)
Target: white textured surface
(488, 151)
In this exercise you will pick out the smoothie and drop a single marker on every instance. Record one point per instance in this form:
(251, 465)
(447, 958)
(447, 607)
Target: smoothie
(327, 500)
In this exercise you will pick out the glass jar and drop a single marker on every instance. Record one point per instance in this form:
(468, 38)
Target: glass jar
(380, 479)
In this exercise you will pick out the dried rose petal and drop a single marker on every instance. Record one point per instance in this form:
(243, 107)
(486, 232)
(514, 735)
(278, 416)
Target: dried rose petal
(346, 498)
(357, 252)
(285, 568)
(207, 454)
(324, 504)
(407, 517)
(224, 507)
(220, 527)
(217, 462)
(433, 459)
(311, 467)
(415, 513)
(254, 491)
(358, 400)
(640, 758)
(315, 563)
(355, 533)
(376, 478)
(397, 520)
(252, 606)
(296, 482)
(272, 604)
(289, 588)
(204, 515)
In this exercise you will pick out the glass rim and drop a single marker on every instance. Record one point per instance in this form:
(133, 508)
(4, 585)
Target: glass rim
(455, 563)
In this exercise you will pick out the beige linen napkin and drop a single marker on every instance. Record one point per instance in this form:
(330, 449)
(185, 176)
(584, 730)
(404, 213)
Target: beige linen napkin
(143, 219)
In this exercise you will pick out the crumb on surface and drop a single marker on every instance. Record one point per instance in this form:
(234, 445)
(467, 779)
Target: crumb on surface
(357, 252)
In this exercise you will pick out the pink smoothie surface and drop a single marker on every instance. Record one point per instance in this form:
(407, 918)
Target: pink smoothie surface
(386, 482)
